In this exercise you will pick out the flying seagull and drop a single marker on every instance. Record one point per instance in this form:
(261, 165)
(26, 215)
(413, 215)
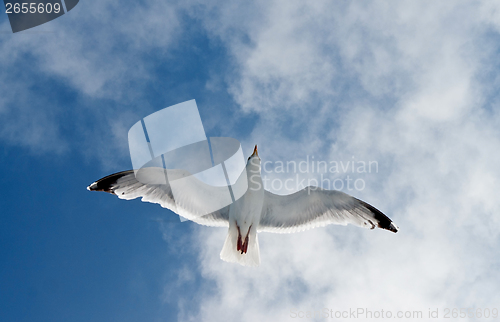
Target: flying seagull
(258, 210)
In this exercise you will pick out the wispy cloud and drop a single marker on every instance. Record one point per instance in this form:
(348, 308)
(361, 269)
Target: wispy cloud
(402, 83)
(96, 54)
(412, 85)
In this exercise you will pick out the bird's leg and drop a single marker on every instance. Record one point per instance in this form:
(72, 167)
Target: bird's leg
(242, 246)
(245, 244)
(238, 243)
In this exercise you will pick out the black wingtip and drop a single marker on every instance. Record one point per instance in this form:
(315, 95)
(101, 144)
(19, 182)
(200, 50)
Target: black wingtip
(107, 183)
(92, 187)
(392, 227)
(384, 222)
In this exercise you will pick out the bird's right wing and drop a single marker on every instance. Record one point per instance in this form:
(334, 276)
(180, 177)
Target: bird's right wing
(315, 207)
(126, 186)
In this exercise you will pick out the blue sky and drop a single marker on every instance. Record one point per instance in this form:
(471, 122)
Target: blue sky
(68, 254)
(411, 85)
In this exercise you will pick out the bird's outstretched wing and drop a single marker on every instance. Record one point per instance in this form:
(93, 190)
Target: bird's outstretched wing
(314, 207)
(125, 186)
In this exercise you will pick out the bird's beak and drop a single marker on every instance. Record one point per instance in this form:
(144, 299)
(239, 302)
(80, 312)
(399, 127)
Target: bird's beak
(255, 151)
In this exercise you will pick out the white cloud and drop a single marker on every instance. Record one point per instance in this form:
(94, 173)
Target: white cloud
(402, 83)
(396, 82)
(99, 50)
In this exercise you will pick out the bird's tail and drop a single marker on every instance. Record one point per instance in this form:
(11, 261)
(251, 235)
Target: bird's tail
(234, 252)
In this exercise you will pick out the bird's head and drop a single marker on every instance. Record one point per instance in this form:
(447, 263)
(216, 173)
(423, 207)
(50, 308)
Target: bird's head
(253, 171)
(254, 160)
(255, 154)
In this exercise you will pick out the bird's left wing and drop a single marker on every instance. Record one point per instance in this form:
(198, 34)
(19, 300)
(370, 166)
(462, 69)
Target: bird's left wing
(315, 207)
(126, 186)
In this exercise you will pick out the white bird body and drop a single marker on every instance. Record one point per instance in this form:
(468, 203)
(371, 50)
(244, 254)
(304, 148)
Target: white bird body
(242, 245)
(256, 211)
